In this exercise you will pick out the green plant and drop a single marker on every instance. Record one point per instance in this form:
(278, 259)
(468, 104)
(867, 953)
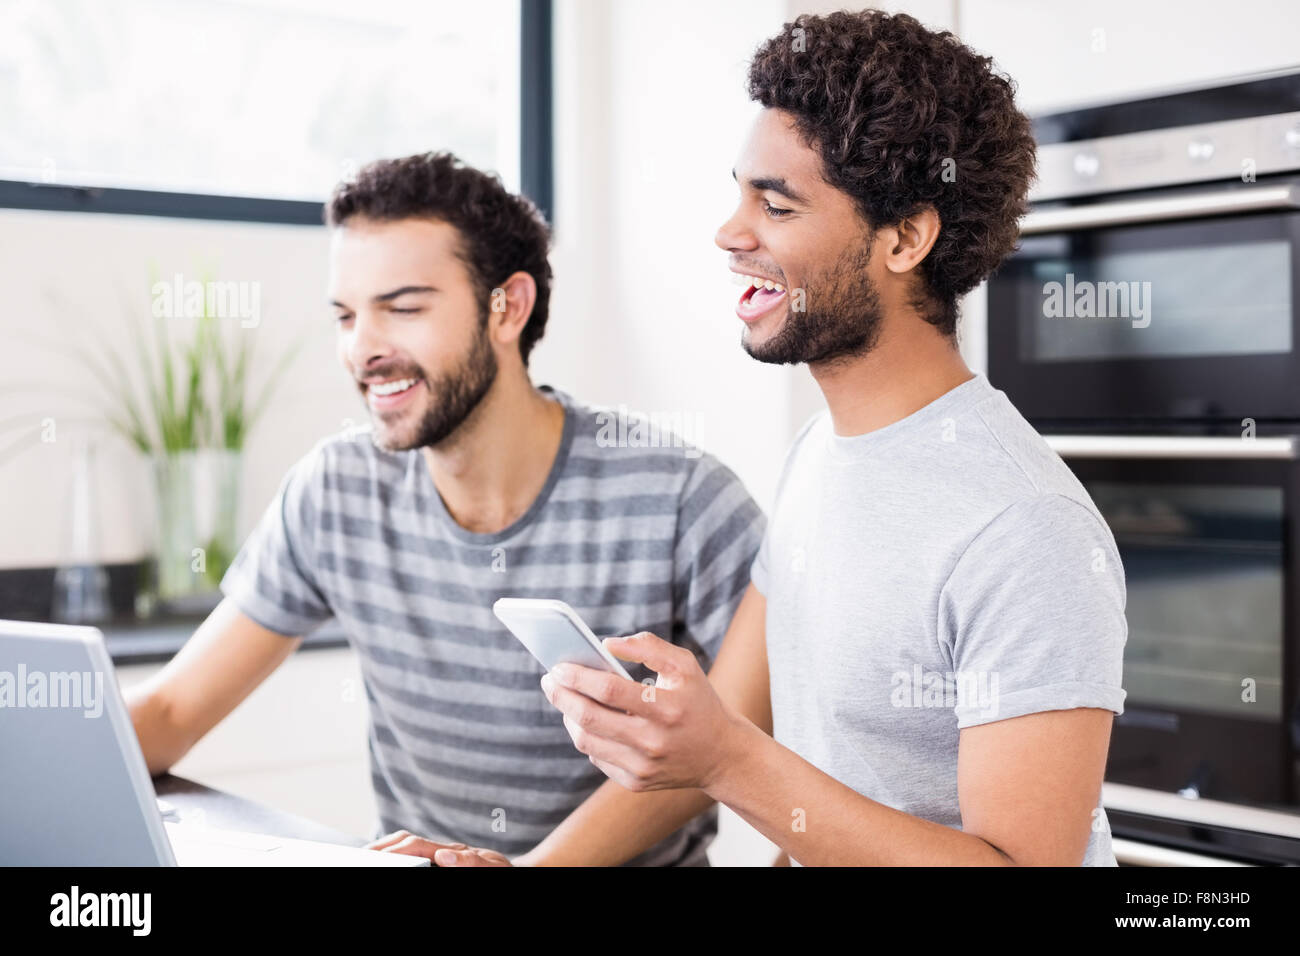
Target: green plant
(196, 392)
(234, 413)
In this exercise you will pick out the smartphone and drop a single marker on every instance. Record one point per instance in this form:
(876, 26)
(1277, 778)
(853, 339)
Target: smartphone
(554, 634)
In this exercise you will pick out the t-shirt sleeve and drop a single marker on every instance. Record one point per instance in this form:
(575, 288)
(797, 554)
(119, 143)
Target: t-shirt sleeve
(1033, 614)
(273, 577)
(719, 528)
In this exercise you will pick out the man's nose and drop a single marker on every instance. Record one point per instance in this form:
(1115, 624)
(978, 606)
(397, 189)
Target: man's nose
(365, 342)
(735, 236)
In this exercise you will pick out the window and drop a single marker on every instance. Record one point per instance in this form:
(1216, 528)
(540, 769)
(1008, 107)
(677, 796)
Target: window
(265, 100)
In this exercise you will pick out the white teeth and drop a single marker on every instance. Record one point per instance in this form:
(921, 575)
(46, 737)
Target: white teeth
(392, 388)
(758, 282)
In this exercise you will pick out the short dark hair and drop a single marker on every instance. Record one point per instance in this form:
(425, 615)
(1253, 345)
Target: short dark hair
(891, 107)
(501, 233)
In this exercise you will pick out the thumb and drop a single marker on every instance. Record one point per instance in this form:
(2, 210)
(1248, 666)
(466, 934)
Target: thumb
(645, 648)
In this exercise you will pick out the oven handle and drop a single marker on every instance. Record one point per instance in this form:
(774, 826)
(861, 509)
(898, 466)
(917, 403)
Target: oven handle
(1137, 853)
(1215, 813)
(1123, 212)
(1173, 446)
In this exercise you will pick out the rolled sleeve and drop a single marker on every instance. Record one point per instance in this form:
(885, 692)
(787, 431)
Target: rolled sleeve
(1033, 614)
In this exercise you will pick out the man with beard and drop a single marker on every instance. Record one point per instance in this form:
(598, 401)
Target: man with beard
(937, 609)
(472, 484)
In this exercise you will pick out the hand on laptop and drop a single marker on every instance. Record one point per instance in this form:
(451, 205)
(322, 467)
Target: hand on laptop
(675, 733)
(440, 854)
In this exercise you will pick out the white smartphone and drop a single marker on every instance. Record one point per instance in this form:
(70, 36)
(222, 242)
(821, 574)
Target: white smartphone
(555, 634)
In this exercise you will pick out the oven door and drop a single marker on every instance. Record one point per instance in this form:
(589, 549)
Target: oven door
(1179, 305)
(1207, 531)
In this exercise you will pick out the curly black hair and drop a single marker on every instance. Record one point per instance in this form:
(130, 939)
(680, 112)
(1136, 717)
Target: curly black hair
(501, 233)
(905, 118)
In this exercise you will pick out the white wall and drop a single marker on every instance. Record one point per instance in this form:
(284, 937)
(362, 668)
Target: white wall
(80, 279)
(1051, 48)
(651, 110)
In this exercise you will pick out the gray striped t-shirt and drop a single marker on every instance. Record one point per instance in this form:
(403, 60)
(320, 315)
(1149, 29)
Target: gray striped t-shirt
(463, 744)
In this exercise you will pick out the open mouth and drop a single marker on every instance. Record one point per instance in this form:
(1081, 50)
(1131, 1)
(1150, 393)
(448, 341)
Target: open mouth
(390, 394)
(760, 297)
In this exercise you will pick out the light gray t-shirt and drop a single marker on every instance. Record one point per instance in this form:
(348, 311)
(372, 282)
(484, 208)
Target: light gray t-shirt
(633, 528)
(945, 571)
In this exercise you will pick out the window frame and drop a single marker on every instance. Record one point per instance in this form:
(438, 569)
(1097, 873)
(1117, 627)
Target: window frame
(536, 167)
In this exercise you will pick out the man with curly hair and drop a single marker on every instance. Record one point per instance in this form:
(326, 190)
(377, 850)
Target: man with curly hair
(936, 614)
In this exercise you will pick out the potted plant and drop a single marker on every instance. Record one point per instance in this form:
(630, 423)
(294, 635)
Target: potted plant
(187, 406)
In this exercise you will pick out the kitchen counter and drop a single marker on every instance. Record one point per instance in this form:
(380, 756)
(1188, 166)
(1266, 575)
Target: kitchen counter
(146, 641)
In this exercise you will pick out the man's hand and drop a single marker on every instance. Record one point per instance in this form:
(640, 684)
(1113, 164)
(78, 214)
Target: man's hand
(675, 733)
(440, 854)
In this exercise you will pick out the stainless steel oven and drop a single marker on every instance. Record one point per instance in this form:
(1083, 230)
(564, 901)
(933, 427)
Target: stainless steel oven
(1158, 274)
(1149, 327)
(1208, 528)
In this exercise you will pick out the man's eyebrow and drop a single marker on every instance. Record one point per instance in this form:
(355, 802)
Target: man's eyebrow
(390, 296)
(404, 290)
(773, 184)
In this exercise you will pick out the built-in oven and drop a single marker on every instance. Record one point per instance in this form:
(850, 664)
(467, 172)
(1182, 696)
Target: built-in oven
(1208, 529)
(1158, 273)
(1181, 314)
(1149, 327)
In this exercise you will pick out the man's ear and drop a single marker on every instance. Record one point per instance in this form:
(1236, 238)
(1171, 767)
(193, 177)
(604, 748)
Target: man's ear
(911, 240)
(509, 307)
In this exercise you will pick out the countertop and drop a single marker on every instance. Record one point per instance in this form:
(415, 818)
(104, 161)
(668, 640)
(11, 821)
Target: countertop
(149, 641)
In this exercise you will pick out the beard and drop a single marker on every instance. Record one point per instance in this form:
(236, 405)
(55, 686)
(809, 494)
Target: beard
(454, 396)
(841, 320)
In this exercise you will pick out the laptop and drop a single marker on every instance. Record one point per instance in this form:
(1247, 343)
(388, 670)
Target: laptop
(76, 788)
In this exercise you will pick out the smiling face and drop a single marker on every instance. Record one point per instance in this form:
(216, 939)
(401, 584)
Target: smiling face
(807, 239)
(411, 329)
